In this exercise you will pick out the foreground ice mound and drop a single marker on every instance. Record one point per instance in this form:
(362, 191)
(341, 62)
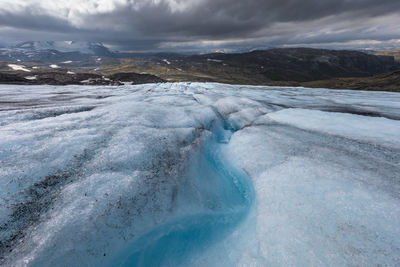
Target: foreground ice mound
(198, 174)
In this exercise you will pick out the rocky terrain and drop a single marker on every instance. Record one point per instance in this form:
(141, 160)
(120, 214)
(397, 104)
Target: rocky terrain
(267, 67)
(383, 82)
(297, 64)
(394, 53)
(92, 63)
(22, 74)
(58, 78)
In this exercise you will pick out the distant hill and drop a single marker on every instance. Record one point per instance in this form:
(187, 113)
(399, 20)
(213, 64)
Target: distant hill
(274, 66)
(394, 53)
(292, 64)
(383, 82)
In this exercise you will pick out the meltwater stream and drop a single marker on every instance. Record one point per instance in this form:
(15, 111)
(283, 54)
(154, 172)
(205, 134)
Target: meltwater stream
(226, 195)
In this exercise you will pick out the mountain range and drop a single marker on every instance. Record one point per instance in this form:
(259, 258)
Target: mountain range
(282, 66)
(53, 50)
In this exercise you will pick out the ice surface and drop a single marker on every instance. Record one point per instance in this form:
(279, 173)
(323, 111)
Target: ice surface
(198, 174)
(321, 200)
(377, 130)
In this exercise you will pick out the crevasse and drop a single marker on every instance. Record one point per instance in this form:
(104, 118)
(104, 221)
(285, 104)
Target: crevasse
(227, 195)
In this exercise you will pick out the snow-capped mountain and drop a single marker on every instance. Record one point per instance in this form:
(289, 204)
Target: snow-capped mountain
(91, 48)
(52, 50)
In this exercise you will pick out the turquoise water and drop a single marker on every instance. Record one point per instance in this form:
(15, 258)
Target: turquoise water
(226, 195)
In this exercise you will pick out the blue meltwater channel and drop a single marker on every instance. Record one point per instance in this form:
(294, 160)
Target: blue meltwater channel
(224, 196)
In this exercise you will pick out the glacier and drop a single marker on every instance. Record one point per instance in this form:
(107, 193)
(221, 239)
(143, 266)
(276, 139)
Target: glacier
(198, 174)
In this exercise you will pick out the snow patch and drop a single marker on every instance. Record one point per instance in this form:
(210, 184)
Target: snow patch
(214, 60)
(31, 77)
(18, 67)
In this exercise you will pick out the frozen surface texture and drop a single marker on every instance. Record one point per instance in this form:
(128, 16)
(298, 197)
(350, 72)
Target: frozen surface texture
(198, 174)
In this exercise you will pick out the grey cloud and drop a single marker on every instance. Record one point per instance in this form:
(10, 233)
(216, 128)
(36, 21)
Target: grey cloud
(31, 19)
(254, 20)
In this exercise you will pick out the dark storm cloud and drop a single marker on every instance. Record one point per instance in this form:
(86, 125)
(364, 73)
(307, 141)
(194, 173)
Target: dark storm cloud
(148, 24)
(216, 19)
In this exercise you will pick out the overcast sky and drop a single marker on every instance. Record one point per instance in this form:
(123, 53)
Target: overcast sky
(205, 25)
